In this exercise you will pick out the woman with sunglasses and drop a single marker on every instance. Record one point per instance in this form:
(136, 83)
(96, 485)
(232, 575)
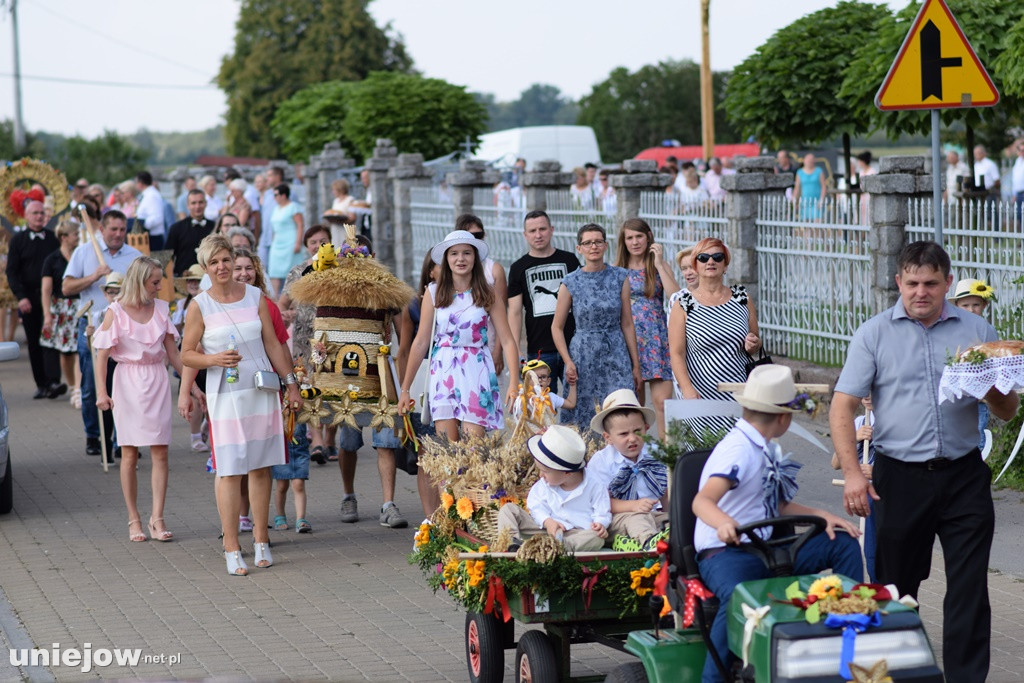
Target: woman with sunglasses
(602, 355)
(711, 330)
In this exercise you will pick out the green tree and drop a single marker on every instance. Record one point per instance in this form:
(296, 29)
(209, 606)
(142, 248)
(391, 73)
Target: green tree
(312, 117)
(33, 148)
(991, 26)
(282, 46)
(786, 92)
(108, 158)
(633, 111)
(425, 115)
(538, 105)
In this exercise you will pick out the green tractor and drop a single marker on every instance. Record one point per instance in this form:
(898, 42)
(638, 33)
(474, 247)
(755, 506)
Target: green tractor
(782, 645)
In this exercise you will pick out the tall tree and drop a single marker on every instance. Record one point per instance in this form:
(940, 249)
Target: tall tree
(787, 90)
(425, 115)
(282, 46)
(312, 117)
(108, 158)
(994, 31)
(633, 111)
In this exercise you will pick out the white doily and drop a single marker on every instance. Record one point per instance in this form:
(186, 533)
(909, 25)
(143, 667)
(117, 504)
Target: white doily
(1005, 374)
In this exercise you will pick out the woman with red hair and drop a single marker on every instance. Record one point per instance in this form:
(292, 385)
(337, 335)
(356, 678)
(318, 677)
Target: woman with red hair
(712, 333)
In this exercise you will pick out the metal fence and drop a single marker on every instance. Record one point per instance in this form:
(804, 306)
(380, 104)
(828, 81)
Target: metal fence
(502, 212)
(814, 274)
(569, 214)
(677, 224)
(985, 241)
(433, 217)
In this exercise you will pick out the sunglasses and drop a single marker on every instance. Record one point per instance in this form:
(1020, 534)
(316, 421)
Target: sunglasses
(717, 256)
(477, 235)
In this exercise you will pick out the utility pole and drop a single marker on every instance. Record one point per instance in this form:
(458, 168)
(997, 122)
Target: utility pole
(707, 102)
(19, 127)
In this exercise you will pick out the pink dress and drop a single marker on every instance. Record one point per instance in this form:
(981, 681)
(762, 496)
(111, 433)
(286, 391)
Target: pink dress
(142, 391)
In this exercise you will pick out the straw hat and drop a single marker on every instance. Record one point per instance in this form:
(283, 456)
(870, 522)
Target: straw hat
(194, 272)
(113, 280)
(768, 390)
(559, 448)
(458, 237)
(972, 287)
(618, 400)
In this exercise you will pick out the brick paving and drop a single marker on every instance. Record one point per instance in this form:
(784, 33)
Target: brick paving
(341, 603)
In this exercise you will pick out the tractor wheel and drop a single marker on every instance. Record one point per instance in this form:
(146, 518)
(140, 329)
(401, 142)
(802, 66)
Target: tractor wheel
(485, 648)
(535, 659)
(633, 672)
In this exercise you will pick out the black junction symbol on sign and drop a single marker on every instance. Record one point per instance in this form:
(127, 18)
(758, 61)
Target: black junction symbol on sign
(932, 61)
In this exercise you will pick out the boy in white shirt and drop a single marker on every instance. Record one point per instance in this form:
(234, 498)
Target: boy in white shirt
(747, 479)
(565, 502)
(636, 481)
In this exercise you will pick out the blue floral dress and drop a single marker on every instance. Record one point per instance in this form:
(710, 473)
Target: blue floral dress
(598, 347)
(651, 330)
(463, 384)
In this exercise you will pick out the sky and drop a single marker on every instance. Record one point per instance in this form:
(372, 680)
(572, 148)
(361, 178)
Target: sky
(169, 51)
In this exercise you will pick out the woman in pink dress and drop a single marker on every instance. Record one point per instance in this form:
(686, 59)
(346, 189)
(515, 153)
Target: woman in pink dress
(137, 333)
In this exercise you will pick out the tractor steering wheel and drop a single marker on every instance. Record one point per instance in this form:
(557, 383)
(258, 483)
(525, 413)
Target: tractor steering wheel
(779, 554)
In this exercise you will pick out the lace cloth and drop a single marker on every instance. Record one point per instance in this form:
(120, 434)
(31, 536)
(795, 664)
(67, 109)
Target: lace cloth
(1005, 374)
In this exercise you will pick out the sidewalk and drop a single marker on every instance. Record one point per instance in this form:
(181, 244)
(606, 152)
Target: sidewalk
(341, 603)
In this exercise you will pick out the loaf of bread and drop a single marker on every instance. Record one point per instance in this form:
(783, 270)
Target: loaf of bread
(995, 349)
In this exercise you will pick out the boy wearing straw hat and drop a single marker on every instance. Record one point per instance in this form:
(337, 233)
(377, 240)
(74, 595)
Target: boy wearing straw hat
(747, 479)
(636, 481)
(566, 502)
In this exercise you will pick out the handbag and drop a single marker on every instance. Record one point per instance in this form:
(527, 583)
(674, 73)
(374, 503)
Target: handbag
(264, 380)
(762, 359)
(420, 389)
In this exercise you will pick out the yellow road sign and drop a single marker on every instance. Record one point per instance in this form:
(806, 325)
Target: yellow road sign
(936, 67)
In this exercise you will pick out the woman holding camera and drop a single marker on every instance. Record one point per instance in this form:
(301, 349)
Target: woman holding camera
(229, 331)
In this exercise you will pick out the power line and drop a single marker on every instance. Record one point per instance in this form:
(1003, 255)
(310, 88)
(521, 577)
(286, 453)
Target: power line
(79, 24)
(111, 84)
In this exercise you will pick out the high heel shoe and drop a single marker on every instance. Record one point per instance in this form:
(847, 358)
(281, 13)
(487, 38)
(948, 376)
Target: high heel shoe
(139, 537)
(162, 536)
(236, 563)
(262, 554)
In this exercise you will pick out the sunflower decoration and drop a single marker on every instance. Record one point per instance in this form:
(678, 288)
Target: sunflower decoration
(979, 288)
(313, 412)
(344, 413)
(384, 415)
(464, 508)
(827, 587)
(643, 578)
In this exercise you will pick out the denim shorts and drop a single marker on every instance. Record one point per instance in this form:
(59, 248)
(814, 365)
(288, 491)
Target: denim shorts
(352, 439)
(297, 466)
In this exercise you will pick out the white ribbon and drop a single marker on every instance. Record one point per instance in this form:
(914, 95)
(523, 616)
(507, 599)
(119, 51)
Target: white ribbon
(753, 617)
(906, 600)
(1013, 454)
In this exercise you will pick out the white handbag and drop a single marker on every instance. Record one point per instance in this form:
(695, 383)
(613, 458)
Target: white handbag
(420, 389)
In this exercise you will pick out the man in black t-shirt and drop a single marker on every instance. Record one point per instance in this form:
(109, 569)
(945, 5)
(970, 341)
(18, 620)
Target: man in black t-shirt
(533, 283)
(184, 236)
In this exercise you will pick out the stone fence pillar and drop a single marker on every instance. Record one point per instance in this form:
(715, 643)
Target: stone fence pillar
(754, 177)
(472, 173)
(407, 174)
(641, 175)
(546, 175)
(321, 171)
(898, 179)
(382, 232)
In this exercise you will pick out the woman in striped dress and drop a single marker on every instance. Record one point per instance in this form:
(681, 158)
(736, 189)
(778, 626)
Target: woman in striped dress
(712, 331)
(246, 430)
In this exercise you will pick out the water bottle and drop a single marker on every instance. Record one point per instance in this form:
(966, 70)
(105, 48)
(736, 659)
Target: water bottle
(231, 374)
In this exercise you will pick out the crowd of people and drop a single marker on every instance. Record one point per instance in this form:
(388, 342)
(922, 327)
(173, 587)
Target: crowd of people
(596, 333)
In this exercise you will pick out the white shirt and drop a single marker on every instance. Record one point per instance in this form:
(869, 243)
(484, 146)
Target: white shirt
(585, 197)
(713, 184)
(151, 211)
(252, 195)
(952, 172)
(213, 205)
(693, 195)
(607, 462)
(739, 458)
(83, 262)
(986, 168)
(1018, 175)
(575, 509)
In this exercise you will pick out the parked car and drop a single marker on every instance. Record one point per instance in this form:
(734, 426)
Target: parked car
(8, 351)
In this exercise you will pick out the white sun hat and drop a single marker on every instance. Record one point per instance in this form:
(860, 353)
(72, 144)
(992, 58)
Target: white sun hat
(559, 448)
(619, 400)
(458, 237)
(769, 389)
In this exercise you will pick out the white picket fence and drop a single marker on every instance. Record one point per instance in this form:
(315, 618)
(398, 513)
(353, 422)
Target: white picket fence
(814, 277)
(985, 241)
(433, 217)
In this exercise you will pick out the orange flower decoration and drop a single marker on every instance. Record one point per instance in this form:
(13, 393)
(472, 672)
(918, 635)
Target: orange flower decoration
(465, 508)
(447, 500)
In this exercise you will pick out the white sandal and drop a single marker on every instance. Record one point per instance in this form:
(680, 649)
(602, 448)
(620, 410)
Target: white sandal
(235, 562)
(262, 554)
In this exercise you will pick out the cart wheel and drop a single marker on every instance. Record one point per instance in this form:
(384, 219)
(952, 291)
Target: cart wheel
(485, 651)
(535, 659)
(633, 672)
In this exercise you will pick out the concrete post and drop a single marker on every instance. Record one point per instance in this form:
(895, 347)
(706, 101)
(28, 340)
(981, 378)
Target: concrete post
(382, 231)
(898, 179)
(313, 208)
(754, 176)
(407, 174)
(329, 163)
(472, 173)
(640, 175)
(546, 175)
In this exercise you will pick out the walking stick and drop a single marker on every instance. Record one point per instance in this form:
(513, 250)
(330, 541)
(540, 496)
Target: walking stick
(103, 430)
(864, 461)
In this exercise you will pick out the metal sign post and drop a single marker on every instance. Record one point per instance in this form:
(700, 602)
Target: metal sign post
(937, 203)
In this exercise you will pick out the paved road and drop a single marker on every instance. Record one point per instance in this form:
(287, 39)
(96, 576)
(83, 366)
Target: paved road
(340, 604)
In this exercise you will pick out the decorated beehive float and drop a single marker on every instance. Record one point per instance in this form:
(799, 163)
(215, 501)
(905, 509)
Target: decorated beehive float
(351, 367)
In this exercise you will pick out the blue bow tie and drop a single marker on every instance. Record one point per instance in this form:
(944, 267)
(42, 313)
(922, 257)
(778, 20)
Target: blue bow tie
(625, 483)
(779, 478)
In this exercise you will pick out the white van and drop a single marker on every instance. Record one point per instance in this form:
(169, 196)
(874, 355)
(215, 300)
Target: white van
(571, 145)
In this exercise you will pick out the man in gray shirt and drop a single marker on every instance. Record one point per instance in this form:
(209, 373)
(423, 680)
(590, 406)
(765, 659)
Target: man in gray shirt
(929, 478)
